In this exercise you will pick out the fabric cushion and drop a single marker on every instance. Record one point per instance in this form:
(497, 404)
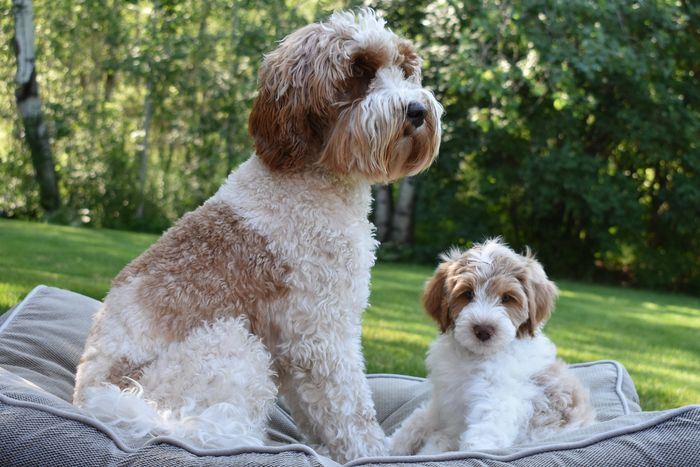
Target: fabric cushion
(612, 392)
(42, 338)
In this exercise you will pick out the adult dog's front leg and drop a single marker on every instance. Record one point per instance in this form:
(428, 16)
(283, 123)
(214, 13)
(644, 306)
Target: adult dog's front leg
(330, 390)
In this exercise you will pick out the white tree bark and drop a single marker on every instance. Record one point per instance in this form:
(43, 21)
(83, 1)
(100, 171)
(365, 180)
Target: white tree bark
(147, 119)
(143, 153)
(24, 38)
(382, 211)
(402, 221)
(36, 132)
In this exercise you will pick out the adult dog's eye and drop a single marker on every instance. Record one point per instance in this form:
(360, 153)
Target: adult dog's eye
(469, 294)
(505, 298)
(361, 68)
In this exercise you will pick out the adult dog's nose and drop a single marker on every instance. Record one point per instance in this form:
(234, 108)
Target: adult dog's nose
(483, 333)
(416, 113)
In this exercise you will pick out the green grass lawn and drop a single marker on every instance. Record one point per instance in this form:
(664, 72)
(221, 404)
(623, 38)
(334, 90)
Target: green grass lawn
(655, 335)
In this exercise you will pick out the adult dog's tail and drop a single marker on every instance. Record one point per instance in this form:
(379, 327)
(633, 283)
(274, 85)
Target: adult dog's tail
(212, 390)
(135, 419)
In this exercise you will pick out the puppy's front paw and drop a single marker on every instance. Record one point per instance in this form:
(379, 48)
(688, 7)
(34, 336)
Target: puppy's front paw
(480, 443)
(467, 446)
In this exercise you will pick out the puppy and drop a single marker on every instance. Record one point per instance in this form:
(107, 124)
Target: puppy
(262, 288)
(495, 377)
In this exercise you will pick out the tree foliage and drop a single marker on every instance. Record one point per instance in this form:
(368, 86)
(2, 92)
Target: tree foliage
(102, 63)
(570, 126)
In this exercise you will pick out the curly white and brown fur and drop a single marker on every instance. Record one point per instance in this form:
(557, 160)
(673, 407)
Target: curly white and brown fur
(262, 288)
(495, 377)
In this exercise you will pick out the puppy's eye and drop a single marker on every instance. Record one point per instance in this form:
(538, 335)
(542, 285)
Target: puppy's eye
(505, 298)
(469, 294)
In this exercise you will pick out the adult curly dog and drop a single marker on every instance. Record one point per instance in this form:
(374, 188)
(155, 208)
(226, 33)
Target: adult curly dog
(260, 291)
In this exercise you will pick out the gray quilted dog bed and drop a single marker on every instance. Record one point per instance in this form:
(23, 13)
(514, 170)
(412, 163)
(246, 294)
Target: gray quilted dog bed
(41, 340)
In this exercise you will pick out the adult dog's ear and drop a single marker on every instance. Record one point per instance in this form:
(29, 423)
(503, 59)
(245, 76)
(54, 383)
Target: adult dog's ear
(541, 295)
(294, 102)
(435, 298)
(278, 126)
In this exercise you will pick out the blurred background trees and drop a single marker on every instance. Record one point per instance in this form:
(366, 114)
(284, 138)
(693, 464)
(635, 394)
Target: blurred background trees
(570, 126)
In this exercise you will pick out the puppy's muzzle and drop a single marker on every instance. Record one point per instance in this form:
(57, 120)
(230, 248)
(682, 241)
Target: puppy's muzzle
(416, 114)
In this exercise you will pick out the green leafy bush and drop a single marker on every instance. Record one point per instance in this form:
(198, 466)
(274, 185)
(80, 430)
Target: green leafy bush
(570, 126)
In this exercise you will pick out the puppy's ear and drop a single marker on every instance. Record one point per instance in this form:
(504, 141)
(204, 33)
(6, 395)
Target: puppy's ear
(541, 295)
(435, 298)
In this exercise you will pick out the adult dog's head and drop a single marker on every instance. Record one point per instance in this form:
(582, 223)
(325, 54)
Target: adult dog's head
(345, 94)
(489, 295)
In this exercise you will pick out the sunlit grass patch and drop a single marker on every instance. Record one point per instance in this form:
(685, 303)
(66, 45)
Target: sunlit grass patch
(78, 259)
(655, 335)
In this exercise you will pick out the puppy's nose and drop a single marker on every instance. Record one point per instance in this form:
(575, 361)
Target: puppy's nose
(416, 113)
(482, 332)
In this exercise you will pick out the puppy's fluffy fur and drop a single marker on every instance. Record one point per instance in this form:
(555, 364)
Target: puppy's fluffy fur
(495, 377)
(262, 287)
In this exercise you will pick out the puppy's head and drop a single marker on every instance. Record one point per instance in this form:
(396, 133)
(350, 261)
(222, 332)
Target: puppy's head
(489, 295)
(345, 94)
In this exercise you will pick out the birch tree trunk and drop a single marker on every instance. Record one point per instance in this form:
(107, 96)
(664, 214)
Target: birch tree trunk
(36, 132)
(143, 153)
(382, 211)
(230, 126)
(402, 220)
(147, 118)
